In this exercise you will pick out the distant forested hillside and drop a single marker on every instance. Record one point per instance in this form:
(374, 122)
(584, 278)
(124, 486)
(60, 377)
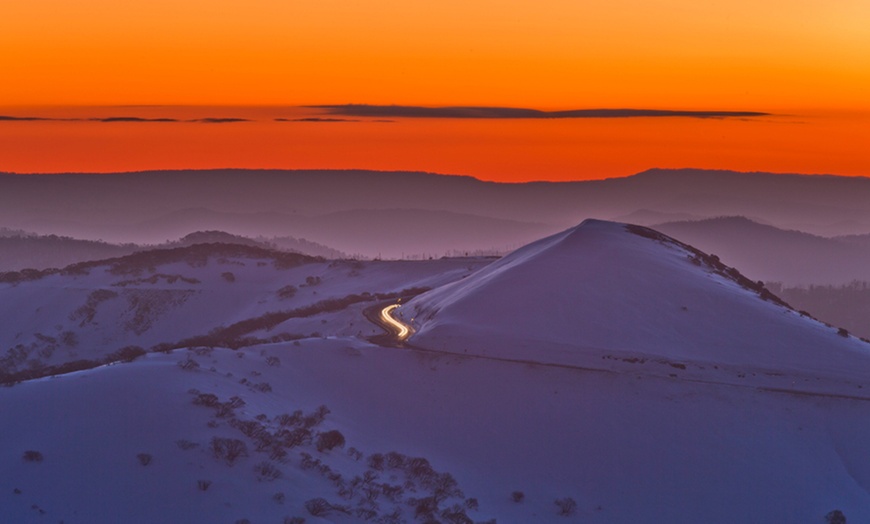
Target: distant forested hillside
(846, 306)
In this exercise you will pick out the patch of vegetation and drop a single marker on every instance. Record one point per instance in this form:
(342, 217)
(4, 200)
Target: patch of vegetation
(153, 279)
(125, 354)
(88, 311)
(287, 292)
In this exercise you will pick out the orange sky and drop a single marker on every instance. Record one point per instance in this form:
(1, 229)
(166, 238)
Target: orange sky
(801, 57)
(747, 54)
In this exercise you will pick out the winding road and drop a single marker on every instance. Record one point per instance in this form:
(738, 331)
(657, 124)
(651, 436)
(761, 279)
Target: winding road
(403, 331)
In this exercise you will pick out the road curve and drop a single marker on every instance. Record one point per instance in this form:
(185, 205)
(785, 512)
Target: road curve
(403, 330)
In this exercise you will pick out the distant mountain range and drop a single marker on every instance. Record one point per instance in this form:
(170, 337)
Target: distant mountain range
(764, 252)
(389, 214)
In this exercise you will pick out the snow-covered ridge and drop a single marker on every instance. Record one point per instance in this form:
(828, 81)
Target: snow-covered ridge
(604, 293)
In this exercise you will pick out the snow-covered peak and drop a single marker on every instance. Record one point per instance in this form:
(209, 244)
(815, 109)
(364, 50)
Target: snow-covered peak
(610, 291)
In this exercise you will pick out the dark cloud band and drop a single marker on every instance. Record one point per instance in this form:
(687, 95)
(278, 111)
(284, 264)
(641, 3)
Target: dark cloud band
(374, 111)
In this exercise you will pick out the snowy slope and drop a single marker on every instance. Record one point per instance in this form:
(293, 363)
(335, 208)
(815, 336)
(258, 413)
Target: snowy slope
(168, 295)
(607, 294)
(627, 450)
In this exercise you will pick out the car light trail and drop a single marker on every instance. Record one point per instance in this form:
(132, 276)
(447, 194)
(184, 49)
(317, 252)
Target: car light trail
(404, 330)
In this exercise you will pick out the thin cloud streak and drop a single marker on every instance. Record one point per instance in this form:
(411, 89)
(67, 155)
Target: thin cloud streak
(6, 118)
(472, 112)
(123, 119)
(315, 119)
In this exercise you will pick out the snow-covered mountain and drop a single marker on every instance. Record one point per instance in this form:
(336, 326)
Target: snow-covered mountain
(607, 374)
(628, 294)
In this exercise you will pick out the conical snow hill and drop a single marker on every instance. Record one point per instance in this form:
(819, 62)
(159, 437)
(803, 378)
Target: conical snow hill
(618, 297)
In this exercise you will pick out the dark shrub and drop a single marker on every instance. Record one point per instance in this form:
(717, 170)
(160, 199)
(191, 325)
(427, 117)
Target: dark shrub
(32, 456)
(320, 507)
(267, 471)
(376, 461)
(287, 292)
(835, 517)
(228, 449)
(186, 444)
(329, 440)
(188, 364)
(209, 400)
(144, 458)
(518, 496)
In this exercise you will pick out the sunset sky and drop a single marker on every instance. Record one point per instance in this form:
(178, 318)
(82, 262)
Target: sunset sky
(807, 62)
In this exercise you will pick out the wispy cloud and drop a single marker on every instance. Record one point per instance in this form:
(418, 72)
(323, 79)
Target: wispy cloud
(122, 119)
(219, 120)
(394, 111)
